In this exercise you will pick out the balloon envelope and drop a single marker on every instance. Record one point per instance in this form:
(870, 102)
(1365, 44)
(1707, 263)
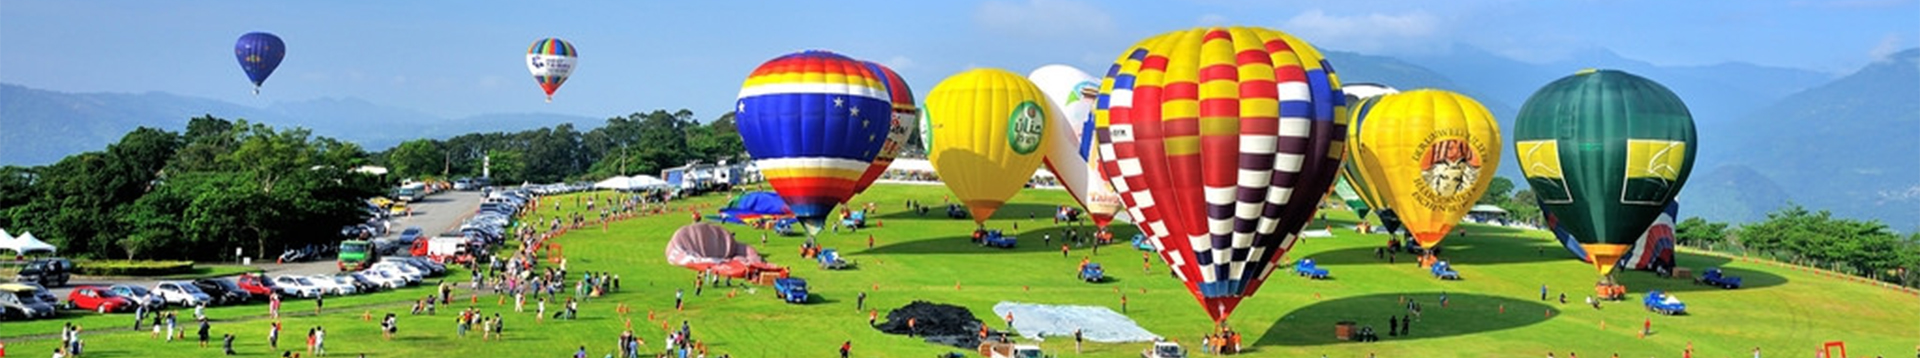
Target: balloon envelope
(551, 60)
(1430, 153)
(813, 122)
(1072, 93)
(1221, 142)
(259, 53)
(990, 132)
(1605, 151)
(905, 118)
(1360, 99)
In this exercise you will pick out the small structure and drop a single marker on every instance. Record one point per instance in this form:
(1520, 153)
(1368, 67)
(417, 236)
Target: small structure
(25, 244)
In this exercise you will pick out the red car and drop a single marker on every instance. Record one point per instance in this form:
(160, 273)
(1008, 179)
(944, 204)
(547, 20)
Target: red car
(97, 299)
(257, 285)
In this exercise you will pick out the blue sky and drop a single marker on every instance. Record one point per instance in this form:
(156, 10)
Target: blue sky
(465, 58)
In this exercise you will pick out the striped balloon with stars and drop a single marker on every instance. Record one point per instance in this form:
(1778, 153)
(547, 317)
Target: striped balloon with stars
(1221, 142)
(813, 122)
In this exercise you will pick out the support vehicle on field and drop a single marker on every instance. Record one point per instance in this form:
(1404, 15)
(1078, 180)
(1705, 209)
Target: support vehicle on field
(792, 290)
(1307, 268)
(1164, 349)
(1010, 350)
(1716, 278)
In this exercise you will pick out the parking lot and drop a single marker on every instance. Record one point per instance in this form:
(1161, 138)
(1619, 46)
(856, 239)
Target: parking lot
(433, 214)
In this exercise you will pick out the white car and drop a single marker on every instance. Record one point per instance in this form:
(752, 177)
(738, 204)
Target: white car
(181, 293)
(296, 286)
(384, 279)
(413, 275)
(333, 285)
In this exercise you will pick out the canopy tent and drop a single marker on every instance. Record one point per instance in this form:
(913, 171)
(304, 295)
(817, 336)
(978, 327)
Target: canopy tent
(25, 244)
(631, 183)
(1487, 209)
(755, 206)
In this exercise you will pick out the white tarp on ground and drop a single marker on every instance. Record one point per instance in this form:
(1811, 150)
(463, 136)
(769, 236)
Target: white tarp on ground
(1097, 324)
(25, 244)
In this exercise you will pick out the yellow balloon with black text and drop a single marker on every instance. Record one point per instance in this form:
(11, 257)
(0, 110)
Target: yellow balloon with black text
(1430, 154)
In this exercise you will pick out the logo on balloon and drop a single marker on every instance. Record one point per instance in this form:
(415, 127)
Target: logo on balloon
(1025, 126)
(1449, 168)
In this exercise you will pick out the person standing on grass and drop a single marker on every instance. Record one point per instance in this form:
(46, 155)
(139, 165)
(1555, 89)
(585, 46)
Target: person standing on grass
(273, 335)
(139, 314)
(318, 302)
(273, 305)
(846, 348)
(171, 320)
(1077, 340)
(310, 340)
(157, 317)
(540, 311)
(872, 316)
(204, 328)
(860, 302)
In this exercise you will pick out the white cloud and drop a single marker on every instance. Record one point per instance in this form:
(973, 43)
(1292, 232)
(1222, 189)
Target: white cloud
(1416, 31)
(1888, 45)
(898, 63)
(1044, 18)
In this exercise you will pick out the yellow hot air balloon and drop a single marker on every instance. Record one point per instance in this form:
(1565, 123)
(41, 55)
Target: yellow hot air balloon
(989, 130)
(1430, 154)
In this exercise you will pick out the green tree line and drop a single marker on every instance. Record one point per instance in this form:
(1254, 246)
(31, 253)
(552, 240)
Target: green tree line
(639, 143)
(222, 185)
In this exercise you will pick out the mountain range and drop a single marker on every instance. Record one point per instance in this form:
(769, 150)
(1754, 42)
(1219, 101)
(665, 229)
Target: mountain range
(1768, 135)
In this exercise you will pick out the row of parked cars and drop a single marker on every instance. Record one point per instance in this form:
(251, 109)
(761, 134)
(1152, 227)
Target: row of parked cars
(29, 300)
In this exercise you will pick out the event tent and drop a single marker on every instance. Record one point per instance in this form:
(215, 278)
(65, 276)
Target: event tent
(631, 183)
(25, 244)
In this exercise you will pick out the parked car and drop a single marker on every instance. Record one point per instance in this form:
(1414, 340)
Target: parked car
(49, 272)
(97, 299)
(222, 291)
(297, 286)
(427, 267)
(45, 294)
(139, 295)
(257, 285)
(328, 284)
(181, 293)
(412, 274)
(22, 301)
(385, 278)
(361, 282)
(411, 233)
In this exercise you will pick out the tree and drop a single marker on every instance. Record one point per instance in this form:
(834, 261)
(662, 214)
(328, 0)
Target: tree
(1497, 191)
(416, 158)
(1699, 232)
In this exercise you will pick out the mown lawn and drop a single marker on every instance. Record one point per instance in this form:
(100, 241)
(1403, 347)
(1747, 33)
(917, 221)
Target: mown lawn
(1783, 311)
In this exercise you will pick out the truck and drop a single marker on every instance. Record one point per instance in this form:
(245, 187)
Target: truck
(1444, 271)
(1716, 278)
(854, 220)
(956, 211)
(442, 249)
(1010, 350)
(994, 238)
(1164, 349)
(1664, 303)
(830, 260)
(49, 272)
(355, 255)
(1610, 291)
(792, 290)
(1307, 268)
(1092, 273)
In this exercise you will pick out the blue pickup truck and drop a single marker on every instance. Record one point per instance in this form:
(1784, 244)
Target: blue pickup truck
(1307, 268)
(1093, 273)
(1444, 271)
(1716, 278)
(1663, 303)
(792, 290)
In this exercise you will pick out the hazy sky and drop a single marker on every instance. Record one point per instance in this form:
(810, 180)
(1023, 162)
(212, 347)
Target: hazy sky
(467, 57)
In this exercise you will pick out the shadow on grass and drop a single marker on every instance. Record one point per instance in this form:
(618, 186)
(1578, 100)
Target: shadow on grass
(1026, 213)
(1026, 244)
(1466, 314)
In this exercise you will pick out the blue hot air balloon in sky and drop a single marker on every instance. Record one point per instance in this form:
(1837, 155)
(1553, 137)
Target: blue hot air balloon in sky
(259, 53)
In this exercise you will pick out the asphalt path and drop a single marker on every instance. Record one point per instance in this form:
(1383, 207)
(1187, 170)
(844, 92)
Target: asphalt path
(434, 214)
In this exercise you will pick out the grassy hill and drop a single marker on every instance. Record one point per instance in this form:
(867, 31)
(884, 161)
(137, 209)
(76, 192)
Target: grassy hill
(916, 258)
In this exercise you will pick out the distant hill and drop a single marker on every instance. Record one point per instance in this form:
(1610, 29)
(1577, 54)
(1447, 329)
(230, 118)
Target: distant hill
(1731, 193)
(1851, 146)
(40, 127)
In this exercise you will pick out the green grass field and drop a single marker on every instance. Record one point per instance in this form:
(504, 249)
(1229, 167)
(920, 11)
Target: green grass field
(1784, 311)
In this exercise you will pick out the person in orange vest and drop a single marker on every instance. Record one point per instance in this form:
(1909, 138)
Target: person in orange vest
(1063, 250)
(869, 241)
(872, 316)
(910, 326)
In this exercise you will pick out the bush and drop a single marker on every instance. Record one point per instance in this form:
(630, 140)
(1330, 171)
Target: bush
(133, 268)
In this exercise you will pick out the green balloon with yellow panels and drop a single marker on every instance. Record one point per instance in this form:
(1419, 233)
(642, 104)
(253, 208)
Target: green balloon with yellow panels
(1605, 151)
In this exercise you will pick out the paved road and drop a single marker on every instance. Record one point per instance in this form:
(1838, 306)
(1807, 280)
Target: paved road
(434, 214)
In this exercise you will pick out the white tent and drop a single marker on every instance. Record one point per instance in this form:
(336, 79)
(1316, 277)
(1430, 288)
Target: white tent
(631, 183)
(25, 244)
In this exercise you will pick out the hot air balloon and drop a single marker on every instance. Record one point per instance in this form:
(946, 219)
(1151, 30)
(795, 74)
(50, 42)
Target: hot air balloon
(1628, 147)
(1360, 98)
(1430, 154)
(551, 60)
(1071, 158)
(904, 120)
(259, 53)
(813, 122)
(990, 131)
(1221, 142)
